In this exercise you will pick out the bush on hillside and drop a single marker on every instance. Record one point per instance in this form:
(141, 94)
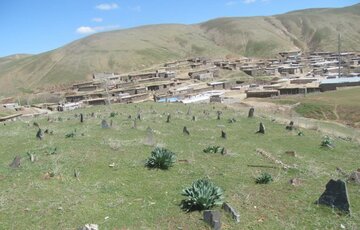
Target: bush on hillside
(201, 195)
(161, 158)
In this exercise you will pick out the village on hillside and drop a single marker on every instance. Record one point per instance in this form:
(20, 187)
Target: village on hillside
(202, 79)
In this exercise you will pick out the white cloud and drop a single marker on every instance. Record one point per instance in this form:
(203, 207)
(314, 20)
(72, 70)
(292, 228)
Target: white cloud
(231, 3)
(107, 6)
(136, 8)
(249, 1)
(95, 29)
(97, 20)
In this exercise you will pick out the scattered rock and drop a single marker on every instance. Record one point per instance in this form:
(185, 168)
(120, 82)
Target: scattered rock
(336, 196)
(234, 214)
(296, 182)
(354, 177)
(291, 153)
(16, 162)
(213, 219)
(89, 227)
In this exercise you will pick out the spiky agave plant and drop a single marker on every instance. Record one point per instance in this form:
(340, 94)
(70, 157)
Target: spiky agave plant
(264, 178)
(202, 195)
(161, 158)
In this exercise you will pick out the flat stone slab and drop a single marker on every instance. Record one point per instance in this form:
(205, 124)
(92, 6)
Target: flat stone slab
(336, 196)
(234, 214)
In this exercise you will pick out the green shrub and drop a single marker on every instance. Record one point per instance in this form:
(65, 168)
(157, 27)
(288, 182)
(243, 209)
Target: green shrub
(202, 195)
(52, 150)
(113, 114)
(214, 149)
(327, 142)
(71, 134)
(161, 158)
(264, 178)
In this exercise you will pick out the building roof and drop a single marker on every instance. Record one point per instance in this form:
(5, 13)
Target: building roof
(340, 80)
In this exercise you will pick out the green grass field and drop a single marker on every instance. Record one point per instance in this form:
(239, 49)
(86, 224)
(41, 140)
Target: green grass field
(340, 105)
(130, 196)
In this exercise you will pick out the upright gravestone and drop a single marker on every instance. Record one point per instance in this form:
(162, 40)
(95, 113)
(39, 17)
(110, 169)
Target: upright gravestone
(189, 111)
(104, 124)
(134, 124)
(193, 118)
(39, 134)
(261, 128)
(335, 196)
(223, 134)
(186, 131)
(149, 137)
(251, 112)
(16, 162)
(81, 118)
(213, 219)
(139, 116)
(168, 118)
(218, 114)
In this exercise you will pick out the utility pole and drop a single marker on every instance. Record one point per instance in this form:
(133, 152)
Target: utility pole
(339, 58)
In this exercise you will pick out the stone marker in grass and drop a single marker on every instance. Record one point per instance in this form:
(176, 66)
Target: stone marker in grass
(336, 196)
(212, 218)
(251, 112)
(81, 117)
(39, 134)
(234, 214)
(218, 115)
(186, 131)
(16, 162)
(223, 134)
(149, 137)
(261, 128)
(168, 118)
(104, 124)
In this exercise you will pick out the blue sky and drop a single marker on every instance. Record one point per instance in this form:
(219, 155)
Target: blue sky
(35, 26)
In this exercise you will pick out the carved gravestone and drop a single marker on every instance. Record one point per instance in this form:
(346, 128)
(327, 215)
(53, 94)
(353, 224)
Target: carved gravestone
(186, 131)
(335, 196)
(81, 117)
(223, 134)
(16, 162)
(261, 128)
(168, 118)
(213, 219)
(149, 137)
(104, 124)
(251, 112)
(39, 134)
(234, 214)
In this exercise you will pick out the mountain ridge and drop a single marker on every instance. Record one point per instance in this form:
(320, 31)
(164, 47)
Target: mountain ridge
(141, 47)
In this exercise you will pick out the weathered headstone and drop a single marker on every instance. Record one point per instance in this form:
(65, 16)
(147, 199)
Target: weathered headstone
(104, 124)
(186, 131)
(39, 134)
(81, 118)
(291, 153)
(139, 116)
(76, 174)
(193, 118)
(223, 134)
(168, 118)
(16, 162)
(188, 111)
(261, 128)
(134, 124)
(251, 112)
(336, 196)
(212, 218)
(31, 156)
(149, 137)
(234, 214)
(218, 115)
(295, 182)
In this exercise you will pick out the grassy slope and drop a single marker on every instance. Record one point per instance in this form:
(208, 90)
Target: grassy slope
(339, 105)
(138, 48)
(136, 198)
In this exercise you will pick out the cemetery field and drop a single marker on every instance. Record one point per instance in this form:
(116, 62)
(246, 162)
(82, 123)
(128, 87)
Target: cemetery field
(114, 190)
